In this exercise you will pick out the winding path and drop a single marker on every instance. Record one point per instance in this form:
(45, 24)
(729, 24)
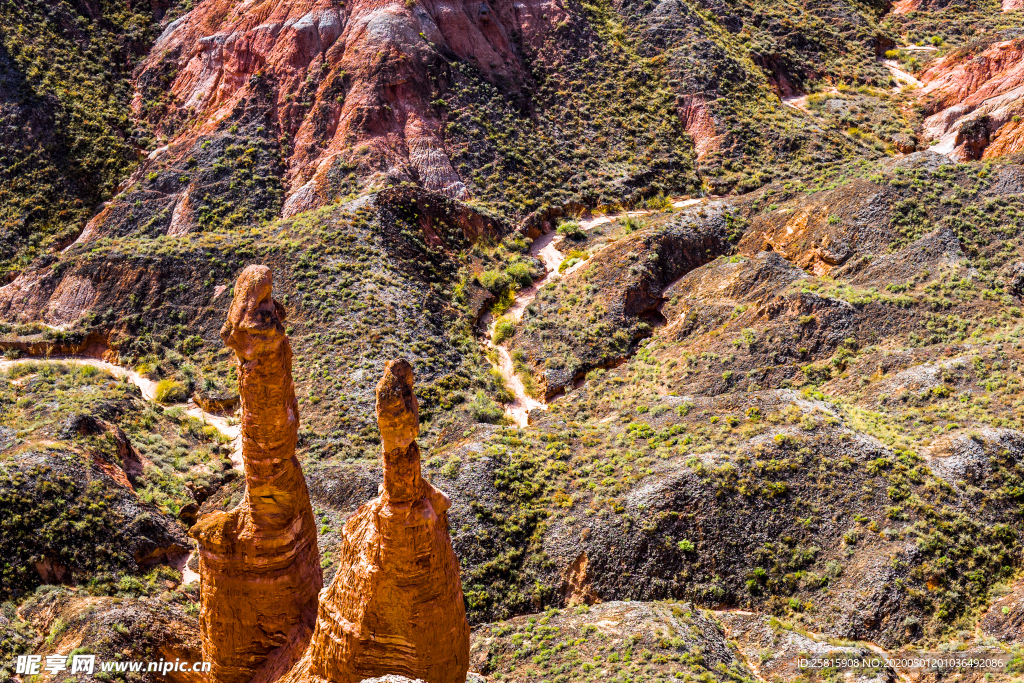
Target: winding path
(148, 388)
(546, 249)
(901, 77)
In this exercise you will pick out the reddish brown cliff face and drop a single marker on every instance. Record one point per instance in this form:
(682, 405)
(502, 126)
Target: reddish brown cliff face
(978, 100)
(259, 563)
(348, 87)
(396, 605)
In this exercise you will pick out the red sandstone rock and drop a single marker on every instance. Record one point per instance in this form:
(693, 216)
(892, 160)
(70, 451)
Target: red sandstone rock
(976, 96)
(259, 563)
(693, 112)
(350, 84)
(396, 605)
(905, 6)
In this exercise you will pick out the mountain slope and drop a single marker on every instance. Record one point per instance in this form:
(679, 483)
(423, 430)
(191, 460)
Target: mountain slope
(67, 137)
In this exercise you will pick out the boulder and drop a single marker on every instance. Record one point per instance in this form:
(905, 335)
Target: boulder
(216, 401)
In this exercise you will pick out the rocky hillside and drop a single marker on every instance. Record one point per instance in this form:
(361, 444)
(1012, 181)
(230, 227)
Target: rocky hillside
(67, 137)
(713, 308)
(283, 108)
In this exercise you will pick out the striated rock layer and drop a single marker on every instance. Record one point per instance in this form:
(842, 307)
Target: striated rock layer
(977, 96)
(259, 563)
(346, 86)
(396, 605)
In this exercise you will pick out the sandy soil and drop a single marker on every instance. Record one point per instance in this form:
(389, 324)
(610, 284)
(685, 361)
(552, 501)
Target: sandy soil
(902, 77)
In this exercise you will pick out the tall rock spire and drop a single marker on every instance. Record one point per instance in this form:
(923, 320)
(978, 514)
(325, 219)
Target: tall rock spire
(395, 605)
(259, 564)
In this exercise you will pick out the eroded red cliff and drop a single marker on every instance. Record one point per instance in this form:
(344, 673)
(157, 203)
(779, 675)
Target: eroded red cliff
(347, 86)
(976, 95)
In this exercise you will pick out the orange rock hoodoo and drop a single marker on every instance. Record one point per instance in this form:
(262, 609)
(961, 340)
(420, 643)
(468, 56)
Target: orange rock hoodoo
(259, 563)
(396, 605)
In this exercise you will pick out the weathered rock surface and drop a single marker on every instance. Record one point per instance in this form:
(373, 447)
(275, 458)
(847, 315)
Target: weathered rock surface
(259, 563)
(349, 85)
(1005, 618)
(610, 635)
(820, 235)
(128, 535)
(128, 466)
(977, 96)
(396, 604)
(111, 628)
(775, 652)
(216, 402)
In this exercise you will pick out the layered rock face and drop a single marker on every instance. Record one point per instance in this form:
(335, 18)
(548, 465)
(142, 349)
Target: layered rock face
(396, 605)
(978, 100)
(348, 86)
(259, 563)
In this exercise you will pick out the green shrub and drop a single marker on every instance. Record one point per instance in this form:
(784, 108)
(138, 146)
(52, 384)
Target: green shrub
(452, 467)
(503, 329)
(504, 302)
(631, 224)
(501, 389)
(659, 202)
(191, 344)
(574, 257)
(146, 368)
(493, 280)
(571, 230)
(483, 409)
(170, 391)
(520, 273)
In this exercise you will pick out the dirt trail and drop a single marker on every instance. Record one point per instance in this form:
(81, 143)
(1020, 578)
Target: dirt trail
(546, 249)
(520, 407)
(902, 77)
(148, 387)
(800, 101)
(181, 564)
(797, 102)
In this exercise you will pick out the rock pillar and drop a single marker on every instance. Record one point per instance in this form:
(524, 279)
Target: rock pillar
(395, 605)
(259, 564)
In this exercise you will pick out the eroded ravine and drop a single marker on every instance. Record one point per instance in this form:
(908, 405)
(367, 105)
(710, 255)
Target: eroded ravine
(545, 248)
